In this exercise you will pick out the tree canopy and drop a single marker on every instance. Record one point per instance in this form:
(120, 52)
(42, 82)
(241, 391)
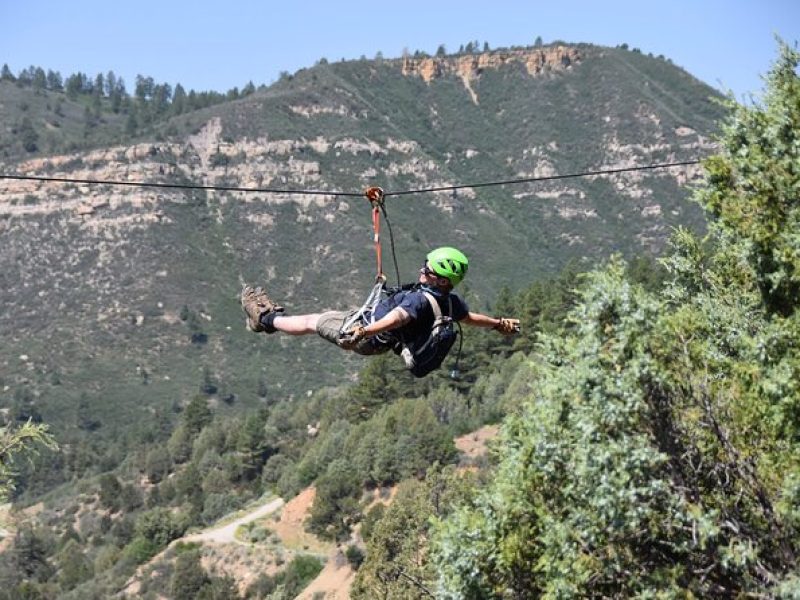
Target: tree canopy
(657, 453)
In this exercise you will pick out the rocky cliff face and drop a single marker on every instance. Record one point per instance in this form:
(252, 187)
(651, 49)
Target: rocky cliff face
(536, 61)
(126, 290)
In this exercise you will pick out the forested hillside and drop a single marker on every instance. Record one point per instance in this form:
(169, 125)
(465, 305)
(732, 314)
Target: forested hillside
(648, 410)
(144, 280)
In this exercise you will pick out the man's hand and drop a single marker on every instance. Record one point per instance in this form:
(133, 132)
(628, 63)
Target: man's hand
(350, 339)
(507, 326)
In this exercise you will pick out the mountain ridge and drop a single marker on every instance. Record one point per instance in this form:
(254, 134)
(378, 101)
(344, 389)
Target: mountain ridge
(143, 282)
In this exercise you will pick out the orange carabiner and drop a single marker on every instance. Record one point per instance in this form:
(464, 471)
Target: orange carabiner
(374, 195)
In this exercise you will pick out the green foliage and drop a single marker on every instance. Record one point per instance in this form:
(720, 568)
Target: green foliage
(401, 441)
(188, 577)
(335, 507)
(30, 553)
(197, 413)
(110, 491)
(157, 463)
(300, 571)
(655, 455)
(397, 563)
(74, 566)
(288, 583)
(754, 184)
(354, 556)
(160, 526)
(18, 442)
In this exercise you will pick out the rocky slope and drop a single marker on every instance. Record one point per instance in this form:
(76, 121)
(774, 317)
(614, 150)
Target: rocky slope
(127, 296)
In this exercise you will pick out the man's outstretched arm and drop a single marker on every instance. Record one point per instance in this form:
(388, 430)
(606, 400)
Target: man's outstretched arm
(505, 326)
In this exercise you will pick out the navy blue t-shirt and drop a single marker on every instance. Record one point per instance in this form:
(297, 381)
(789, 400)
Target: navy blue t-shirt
(416, 305)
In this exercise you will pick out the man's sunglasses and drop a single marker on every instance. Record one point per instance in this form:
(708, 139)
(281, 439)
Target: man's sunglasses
(426, 270)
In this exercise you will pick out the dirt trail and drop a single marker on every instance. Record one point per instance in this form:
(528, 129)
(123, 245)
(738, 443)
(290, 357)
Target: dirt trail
(226, 534)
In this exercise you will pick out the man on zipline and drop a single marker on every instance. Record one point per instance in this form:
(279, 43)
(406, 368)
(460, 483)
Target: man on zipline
(406, 317)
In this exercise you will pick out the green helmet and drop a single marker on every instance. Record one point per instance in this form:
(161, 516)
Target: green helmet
(448, 263)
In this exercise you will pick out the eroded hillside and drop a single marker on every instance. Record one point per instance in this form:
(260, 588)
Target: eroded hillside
(126, 296)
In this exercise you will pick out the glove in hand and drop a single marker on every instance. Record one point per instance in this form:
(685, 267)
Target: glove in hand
(507, 326)
(350, 339)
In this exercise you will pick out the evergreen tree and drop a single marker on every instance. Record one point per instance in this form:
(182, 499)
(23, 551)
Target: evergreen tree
(143, 89)
(73, 86)
(656, 457)
(179, 100)
(335, 507)
(252, 446)
(157, 464)
(110, 491)
(28, 135)
(6, 74)
(117, 95)
(99, 85)
(189, 577)
(30, 553)
(397, 561)
(74, 566)
(54, 81)
(197, 415)
(753, 184)
(39, 79)
(110, 83)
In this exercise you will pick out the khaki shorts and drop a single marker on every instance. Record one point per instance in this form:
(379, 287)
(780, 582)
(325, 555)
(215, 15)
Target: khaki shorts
(330, 324)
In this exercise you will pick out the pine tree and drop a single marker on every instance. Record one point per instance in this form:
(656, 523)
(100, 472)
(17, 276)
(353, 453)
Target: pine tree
(197, 415)
(28, 135)
(6, 74)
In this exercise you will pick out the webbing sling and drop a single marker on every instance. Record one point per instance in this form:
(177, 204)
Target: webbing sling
(375, 197)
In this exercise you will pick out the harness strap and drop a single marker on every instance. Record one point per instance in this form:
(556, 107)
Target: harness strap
(369, 305)
(376, 228)
(375, 196)
(437, 311)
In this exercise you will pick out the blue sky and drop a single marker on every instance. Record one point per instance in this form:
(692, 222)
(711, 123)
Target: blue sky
(207, 45)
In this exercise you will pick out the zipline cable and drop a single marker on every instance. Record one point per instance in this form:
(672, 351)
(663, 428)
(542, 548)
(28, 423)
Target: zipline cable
(181, 186)
(446, 188)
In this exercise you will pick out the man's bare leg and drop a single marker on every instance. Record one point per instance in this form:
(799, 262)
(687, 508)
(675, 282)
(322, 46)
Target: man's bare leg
(296, 324)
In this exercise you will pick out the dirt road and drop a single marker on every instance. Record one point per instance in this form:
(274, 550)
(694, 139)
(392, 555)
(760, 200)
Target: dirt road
(225, 534)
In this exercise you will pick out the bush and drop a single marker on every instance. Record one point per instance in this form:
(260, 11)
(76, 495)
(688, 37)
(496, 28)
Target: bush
(160, 526)
(140, 550)
(355, 556)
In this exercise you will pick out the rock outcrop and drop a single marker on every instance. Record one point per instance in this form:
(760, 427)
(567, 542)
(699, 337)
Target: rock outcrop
(468, 67)
(537, 61)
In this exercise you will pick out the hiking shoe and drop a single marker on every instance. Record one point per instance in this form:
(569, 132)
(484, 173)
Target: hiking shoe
(256, 304)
